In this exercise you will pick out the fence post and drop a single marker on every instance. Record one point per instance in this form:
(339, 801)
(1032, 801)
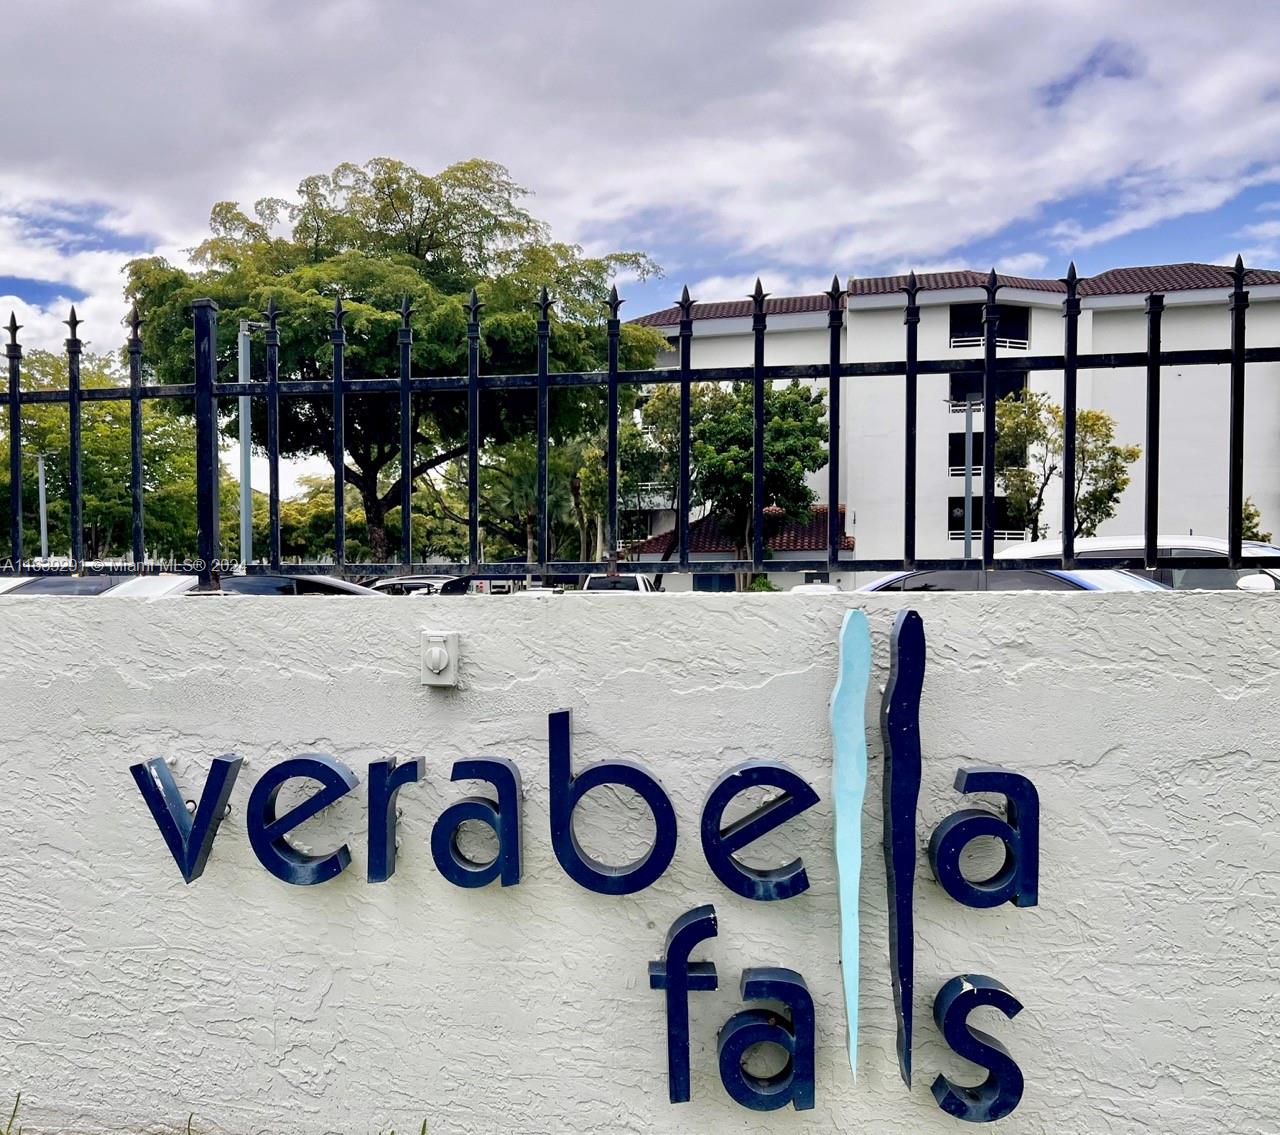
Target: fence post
(758, 326)
(339, 338)
(612, 327)
(273, 434)
(135, 436)
(990, 322)
(205, 316)
(1235, 480)
(405, 341)
(1070, 349)
(473, 430)
(544, 425)
(686, 343)
(73, 406)
(1151, 463)
(910, 317)
(835, 528)
(13, 351)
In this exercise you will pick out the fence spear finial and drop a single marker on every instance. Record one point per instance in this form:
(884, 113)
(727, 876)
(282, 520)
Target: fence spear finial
(272, 313)
(834, 293)
(991, 286)
(405, 311)
(339, 314)
(73, 323)
(544, 304)
(135, 321)
(13, 329)
(474, 306)
(685, 304)
(1237, 273)
(758, 296)
(613, 301)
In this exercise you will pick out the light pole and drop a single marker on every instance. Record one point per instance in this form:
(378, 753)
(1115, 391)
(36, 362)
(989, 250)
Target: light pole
(44, 509)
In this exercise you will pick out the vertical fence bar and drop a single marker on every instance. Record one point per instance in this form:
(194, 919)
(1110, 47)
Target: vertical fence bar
(1070, 350)
(544, 425)
(135, 435)
(205, 315)
(911, 318)
(73, 406)
(758, 324)
(273, 435)
(1151, 463)
(473, 429)
(686, 346)
(613, 328)
(405, 342)
(1235, 481)
(13, 352)
(338, 337)
(990, 322)
(835, 529)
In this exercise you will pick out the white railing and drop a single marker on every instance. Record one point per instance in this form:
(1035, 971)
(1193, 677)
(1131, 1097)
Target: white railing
(1000, 533)
(959, 342)
(958, 470)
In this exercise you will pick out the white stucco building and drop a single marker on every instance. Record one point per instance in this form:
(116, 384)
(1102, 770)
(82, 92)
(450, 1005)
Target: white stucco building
(1194, 422)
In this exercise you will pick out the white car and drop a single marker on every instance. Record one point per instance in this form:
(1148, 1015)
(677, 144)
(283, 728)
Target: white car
(1222, 578)
(632, 583)
(166, 584)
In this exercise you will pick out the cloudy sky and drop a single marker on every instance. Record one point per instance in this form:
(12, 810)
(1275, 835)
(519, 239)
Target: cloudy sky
(725, 137)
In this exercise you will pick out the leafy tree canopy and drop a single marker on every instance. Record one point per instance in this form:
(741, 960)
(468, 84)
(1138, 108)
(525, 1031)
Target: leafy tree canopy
(373, 235)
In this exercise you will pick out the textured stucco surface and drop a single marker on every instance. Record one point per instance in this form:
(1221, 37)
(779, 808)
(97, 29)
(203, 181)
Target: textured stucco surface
(1149, 723)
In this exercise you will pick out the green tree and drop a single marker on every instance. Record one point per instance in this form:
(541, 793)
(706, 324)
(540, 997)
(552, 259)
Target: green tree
(721, 428)
(1029, 457)
(168, 465)
(373, 235)
(1252, 519)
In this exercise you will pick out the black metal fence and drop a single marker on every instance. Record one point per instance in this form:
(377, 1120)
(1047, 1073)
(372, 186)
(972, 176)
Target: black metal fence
(206, 390)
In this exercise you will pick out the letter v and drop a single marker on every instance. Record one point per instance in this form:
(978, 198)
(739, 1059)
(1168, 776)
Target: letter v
(190, 838)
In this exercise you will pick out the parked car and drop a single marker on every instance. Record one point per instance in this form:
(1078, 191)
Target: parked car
(1049, 579)
(814, 589)
(161, 585)
(629, 582)
(408, 584)
(1180, 579)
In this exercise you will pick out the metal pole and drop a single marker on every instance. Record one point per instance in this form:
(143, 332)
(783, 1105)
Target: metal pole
(968, 476)
(246, 443)
(44, 509)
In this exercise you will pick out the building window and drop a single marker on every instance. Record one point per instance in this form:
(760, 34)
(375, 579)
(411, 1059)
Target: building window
(955, 453)
(1013, 332)
(969, 386)
(1004, 524)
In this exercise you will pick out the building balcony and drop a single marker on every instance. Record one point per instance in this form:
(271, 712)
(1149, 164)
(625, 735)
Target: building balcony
(964, 342)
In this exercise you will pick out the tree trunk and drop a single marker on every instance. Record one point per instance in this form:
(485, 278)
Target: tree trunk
(375, 517)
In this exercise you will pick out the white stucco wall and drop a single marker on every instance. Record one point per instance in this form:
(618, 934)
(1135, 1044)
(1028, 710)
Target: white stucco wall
(127, 999)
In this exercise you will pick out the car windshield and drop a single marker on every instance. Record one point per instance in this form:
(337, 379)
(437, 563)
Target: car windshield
(613, 583)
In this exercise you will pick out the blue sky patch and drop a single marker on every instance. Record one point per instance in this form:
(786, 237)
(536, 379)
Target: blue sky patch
(40, 293)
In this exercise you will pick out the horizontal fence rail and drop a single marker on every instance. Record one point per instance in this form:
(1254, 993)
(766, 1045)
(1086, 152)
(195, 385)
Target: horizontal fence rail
(206, 390)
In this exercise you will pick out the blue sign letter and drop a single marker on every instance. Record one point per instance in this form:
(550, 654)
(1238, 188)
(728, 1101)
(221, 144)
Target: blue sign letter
(1017, 881)
(1001, 1091)
(900, 729)
(267, 830)
(567, 790)
(503, 817)
(386, 778)
(794, 1083)
(190, 839)
(720, 845)
(677, 975)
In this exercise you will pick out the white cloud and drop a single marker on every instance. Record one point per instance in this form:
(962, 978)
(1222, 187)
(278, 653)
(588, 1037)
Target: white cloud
(836, 137)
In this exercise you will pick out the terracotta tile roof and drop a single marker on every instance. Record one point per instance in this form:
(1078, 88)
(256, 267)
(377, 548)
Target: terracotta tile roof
(1114, 282)
(940, 281)
(734, 309)
(707, 536)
